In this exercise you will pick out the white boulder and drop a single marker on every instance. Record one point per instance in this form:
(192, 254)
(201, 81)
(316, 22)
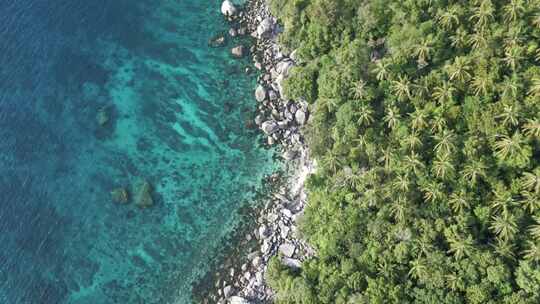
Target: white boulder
(228, 8)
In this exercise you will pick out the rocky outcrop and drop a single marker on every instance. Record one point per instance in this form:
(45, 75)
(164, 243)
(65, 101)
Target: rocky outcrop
(281, 120)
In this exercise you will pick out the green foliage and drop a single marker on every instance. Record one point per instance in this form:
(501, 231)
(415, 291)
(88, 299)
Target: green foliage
(426, 129)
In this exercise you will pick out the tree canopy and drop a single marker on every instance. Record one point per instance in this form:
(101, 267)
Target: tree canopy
(426, 129)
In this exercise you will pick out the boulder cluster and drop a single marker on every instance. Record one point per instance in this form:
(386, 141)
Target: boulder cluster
(281, 120)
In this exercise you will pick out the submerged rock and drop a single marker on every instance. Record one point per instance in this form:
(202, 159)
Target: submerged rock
(228, 8)
(120, 195)
(143, 194)
(217, 41)
(102, 116)
(238, 51)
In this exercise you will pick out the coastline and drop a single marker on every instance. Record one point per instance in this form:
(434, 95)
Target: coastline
(281, 121)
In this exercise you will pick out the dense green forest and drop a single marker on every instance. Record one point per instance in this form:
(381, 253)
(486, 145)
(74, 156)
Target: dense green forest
(426, 129)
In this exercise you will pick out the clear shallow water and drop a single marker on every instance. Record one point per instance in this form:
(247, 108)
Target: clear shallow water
(177, 118)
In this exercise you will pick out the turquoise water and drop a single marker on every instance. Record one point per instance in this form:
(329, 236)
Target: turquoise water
(176, 113)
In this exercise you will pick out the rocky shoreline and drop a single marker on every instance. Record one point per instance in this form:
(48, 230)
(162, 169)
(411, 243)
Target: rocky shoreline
(281, 120)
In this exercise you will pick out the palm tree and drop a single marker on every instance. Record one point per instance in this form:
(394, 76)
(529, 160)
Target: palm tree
(510, 87)
(365, 115)
(459, 39)
(422, 88)
(534, 90)
(331, 104)
(459, 70)
(424, 48)
(510, 147)
(473, 171)
(433, 192)
(382, 70)
(530, 201)
(510, 115)
(445, 142)
(392, 117)
(483, 14)
(358, 90)
(458, 202)
(386, 158)
(454, 282)
(504, 226)
(459, 246)
(532, 128)
(412, 141)
(402, 87)
(418, 119)
(444, 93)
(401, 183)
(482, 84)
(513, 56)
(331, 161)
(513, 10)
(536, 20)
(399, 209)
(503, 200)
(534, 229)
(371, 198)
(533, 251)
(422, 247)
(438, 123)
(478, 40)
(505, 248)
(448, 18)
(531, 181)
(413, 163)
(418, 269)
(442, 166)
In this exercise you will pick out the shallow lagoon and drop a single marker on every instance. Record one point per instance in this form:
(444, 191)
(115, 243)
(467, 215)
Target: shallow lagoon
(176, 113)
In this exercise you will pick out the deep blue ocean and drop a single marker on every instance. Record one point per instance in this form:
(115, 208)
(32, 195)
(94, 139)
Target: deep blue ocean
(97, 95)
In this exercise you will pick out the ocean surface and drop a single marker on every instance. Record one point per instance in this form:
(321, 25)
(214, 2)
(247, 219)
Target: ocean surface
(97, 95)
